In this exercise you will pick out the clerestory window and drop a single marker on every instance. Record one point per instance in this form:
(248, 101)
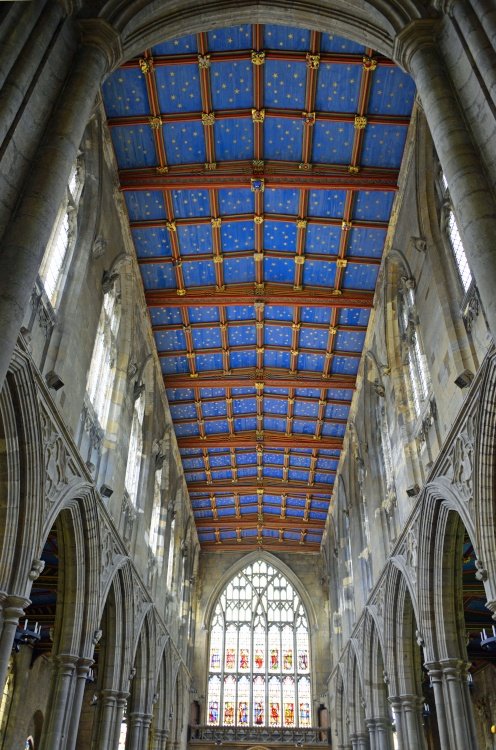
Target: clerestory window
(259, 658)
(102, 368)
(412, 350)
(135, 450)
(455, 241)
(58, 253)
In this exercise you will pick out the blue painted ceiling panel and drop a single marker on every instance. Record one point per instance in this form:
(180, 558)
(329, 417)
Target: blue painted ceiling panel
(373, 205)
(393, 92)
(158, 276)
(333, 142)
(233, 139)
(279, 235)
(238, 270)
(230, 38)
(190, 203)
(366, 242)
(286, 37)
(236, 201)
(194, 239)
(257, 334)
(178, 88)
(145, 204)
(334, 43)
(183, 45)
(184, 142)
(232, 84)
(283, 139)
(125, 94)
(152, 243)
(338, 88)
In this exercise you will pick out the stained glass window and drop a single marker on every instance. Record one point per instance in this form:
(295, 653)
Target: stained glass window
(259, 657)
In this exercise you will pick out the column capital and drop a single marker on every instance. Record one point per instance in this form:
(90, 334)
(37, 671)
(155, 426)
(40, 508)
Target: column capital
(96, 32)
(415, 36)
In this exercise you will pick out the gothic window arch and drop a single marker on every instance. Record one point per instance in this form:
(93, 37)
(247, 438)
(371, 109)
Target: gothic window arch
(135, 451)
(156, 537)
(101, 373)
(412, 350)
(259, 657)
(450, 227)
(389, 498)
(58, 253)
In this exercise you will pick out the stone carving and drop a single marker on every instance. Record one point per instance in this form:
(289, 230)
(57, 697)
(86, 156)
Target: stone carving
(110, 554)
(98, 248)
(481, 573)
(37, 567)
(471, 308)
(129, 513)
(412, 554)
(57, 465)
(461, 461)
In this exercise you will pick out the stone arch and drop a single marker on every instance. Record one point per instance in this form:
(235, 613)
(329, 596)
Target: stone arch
(442, 527)
(374, 688)
(356, 700)
(21, 477)
(270, 559)
(400, 624)
(374, 23)
(485, 479)
(140, 701)
(341, 713)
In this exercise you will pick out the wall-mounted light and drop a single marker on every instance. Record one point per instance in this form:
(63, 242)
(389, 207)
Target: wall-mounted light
(106, 491)
(54, 381)
(413, 490)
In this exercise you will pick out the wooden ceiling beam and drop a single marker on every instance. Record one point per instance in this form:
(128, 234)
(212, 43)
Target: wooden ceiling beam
(281, 177)
(268, 544)
(242, 295)
(269, 439)
(255, 380)
(250, 521)
(271, 488)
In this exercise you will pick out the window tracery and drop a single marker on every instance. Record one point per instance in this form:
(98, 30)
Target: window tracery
(102, 368)
(455, 240)
(259, 660)
(62, 240)
(135, 450)
(413, 356)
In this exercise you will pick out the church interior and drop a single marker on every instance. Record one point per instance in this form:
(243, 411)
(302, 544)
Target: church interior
(248, 374)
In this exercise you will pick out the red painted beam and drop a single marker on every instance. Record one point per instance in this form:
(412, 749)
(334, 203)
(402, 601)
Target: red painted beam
(247, 439)
(241, 295)
(247, 380)
(250, 522)
(247, 488)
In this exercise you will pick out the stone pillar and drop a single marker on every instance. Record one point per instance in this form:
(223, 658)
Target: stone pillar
(436, 677)
(120, 706)
(82, 670)
(470, 191)
(159, 741)
(401, 734)
(60, 702)
(380, 734)
(108, 701)
(458, 705)
(412, 712)
(12, 609)
(478, 43)
(145, 731)
(362, 741)
(487, 16)
(25, 238)
(134, 729)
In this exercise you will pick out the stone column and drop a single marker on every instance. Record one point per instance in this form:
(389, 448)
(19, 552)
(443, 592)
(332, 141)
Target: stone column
(397, 707)
(107, 700)
(412, 712)
(380, 734)
(477, 41)
(159, 741)
(120, 705)
(470, 191)
(487, 16)
(134, 728)
(436, 677)
(26, 237)
(60, 702)
(12, 609)
(82, 670)
(362, 741)
(458, 703)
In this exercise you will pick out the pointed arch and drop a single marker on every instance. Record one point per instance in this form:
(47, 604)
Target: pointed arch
(270, 559)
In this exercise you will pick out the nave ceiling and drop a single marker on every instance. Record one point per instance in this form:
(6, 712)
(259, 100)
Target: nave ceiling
(259, 166)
